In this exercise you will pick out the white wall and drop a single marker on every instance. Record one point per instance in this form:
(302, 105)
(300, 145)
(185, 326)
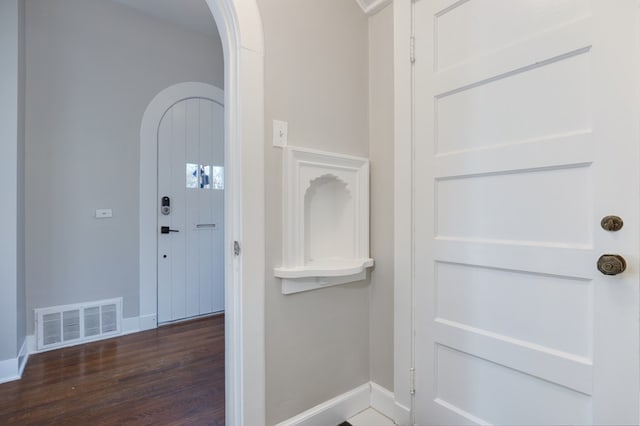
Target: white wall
(92, 68)
(381, 156)
(316, 70)
(12, 328)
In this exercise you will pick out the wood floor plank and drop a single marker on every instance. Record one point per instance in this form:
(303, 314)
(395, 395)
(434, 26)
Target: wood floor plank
(173, 375)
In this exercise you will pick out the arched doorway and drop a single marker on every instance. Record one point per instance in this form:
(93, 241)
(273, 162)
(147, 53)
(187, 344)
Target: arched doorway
(240, 29)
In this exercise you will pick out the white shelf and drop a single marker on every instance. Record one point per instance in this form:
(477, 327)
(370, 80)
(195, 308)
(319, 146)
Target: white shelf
(326, 268)
(325, 220)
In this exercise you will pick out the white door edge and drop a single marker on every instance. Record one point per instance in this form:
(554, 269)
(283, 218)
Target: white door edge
(240, 28)
(403, 253)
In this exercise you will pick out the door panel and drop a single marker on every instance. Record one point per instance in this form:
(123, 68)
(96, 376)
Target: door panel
(525, 136)
(165, 267)
(473, 296)
(206, 208)
(508, 22)
(505, 395)
(555, 105)
(191, 261)
(506, 206)
(177, 148)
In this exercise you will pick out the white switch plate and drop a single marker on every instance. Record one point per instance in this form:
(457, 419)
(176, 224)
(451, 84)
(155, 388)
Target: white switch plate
(104, 213)
(280, 133)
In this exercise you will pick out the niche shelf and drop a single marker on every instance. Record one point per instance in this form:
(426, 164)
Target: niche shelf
(325, 220)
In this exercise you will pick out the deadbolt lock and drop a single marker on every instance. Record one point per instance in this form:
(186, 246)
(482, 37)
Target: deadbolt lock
(611, 264)
(611, 223)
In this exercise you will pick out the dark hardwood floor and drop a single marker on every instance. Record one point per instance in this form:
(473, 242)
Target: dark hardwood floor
(170, 376)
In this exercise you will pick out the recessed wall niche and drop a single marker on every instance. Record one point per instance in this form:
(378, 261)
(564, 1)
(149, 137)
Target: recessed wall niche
(325, 220)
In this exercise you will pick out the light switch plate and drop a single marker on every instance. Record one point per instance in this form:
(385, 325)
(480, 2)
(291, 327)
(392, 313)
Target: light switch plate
(280, 133)
(104, 213)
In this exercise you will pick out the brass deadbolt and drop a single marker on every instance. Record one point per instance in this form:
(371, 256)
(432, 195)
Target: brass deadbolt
(611, 223)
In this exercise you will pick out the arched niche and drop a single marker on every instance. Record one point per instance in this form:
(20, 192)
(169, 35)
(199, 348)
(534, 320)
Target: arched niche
(329, 219)
(325, 220)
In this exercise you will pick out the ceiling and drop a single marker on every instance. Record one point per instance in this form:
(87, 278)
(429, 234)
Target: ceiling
(193, 14)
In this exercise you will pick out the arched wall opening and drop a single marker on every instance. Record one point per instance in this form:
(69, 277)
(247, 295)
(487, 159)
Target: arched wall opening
(240, 28)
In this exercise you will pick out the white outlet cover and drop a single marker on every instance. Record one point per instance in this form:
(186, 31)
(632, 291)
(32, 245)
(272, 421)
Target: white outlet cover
(104, 213)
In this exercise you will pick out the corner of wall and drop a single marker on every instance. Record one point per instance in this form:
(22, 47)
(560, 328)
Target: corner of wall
(381, 142)
(11, 166)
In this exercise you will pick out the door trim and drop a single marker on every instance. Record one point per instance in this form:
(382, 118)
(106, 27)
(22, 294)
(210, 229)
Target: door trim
(240, 27)
(403, 206)
(151, 119)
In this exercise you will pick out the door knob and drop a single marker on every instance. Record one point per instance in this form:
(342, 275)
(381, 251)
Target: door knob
(611, 264)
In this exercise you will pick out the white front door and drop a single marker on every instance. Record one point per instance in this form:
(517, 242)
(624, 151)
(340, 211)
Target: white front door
(190, 210)
(525, 137)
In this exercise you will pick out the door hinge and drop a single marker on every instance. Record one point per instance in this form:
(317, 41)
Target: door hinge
(236, 248)
(412, 50)
(412, 390)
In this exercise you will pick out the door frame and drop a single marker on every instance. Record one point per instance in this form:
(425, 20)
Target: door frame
(151, 120)
(403, 303)
(240, 28)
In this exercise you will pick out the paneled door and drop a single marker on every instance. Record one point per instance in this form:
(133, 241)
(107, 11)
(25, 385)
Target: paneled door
(190, 210)
(525, 138)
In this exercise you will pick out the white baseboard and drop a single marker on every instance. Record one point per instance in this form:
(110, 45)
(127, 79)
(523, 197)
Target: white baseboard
(148, 322)
(334, 411)
(11, 369)
(137, 324)
(402, 415)
(130, 325)
(382, 401)
(347, 405)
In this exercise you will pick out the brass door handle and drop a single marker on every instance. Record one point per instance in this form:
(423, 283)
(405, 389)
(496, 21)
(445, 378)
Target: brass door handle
(611, 264)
